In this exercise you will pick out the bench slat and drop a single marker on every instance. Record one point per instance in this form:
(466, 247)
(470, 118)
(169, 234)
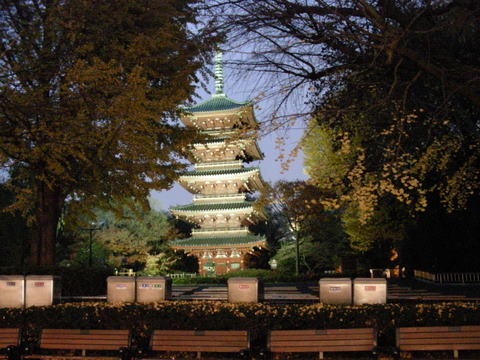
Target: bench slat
(438, 329)
(201, 348)
(9, 331)
(83, 347)
(200, 333)
(9, 336)
(329, 340)
(84, 332)
(79, 339)
(78, 345)
(81, 336)
(323, 332)
(323, 343)
(194, 337)
(428, 335)
(432, 347)
(199, 343)
(292, 349)
(319, 337)
(442, 341)
(10, 340)
(72, 357)
(45, 342)
(438, 338)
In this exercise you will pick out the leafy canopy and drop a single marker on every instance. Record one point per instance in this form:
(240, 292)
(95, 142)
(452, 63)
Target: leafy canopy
(88, 96)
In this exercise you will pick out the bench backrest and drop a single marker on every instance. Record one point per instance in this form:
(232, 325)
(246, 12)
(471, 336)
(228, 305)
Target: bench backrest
(9, 337)
(438, 338)
(200, 341)
(76, 339)
(332, 340)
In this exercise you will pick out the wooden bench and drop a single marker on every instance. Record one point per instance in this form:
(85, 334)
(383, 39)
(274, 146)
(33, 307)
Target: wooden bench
(200, 341)
(321, 341)
(439, 338)
(9, 342)
(77, 340)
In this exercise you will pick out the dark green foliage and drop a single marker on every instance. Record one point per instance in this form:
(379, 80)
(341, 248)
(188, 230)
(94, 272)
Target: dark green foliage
(75, 281)
(441, 242)
(257, 318)
(14, 232)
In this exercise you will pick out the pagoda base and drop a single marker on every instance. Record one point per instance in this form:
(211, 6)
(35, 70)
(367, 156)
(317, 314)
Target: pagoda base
(220, 255)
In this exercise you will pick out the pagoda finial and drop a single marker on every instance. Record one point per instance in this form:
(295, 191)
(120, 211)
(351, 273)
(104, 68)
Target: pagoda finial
(218, 73)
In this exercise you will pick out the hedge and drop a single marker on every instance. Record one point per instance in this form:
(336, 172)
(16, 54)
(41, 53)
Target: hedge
(258, 318)
(268, 276)
(76, 281)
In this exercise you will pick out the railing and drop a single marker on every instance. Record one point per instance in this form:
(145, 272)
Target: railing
(125, 272)
(448, 278)
(182, 275)
(219, 229)
(424, 275)
(212, 164)
(462, 278)
(219, 196)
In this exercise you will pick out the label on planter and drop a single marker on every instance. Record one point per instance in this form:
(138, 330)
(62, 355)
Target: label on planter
(39, 284)
(243, 287)
(370, 288)
(157, 286)
(121, 286)
(144, 286)
(334, 289)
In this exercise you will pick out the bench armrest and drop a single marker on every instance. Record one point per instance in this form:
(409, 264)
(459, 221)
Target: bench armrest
(13, 352)
(126, 353)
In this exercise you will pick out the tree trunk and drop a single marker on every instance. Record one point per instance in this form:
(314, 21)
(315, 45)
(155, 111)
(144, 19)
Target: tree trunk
(48, 207)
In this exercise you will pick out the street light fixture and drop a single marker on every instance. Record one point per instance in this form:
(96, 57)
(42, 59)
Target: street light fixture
(93, 227)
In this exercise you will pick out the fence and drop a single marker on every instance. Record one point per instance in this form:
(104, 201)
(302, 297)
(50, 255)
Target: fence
(448, 278)
(182, 275)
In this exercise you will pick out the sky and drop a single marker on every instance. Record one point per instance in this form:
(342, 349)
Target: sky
(241, 89)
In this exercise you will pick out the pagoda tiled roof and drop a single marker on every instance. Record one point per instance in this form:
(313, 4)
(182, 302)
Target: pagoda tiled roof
(214, 207)
(218, 241)
(219, 172)
(218, 102)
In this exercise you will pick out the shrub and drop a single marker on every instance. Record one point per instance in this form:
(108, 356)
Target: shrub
(258, 318)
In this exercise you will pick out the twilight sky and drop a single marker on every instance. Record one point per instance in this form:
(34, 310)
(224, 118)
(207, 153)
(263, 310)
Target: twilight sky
(241, 89)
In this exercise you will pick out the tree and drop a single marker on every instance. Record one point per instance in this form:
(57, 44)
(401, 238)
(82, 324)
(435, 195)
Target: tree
(434, 240)
(88, 96)
(318, 239)
(395, 82)
(14, 232)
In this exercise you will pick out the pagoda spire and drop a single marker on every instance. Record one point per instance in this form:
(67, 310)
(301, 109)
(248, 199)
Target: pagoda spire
(218, 73)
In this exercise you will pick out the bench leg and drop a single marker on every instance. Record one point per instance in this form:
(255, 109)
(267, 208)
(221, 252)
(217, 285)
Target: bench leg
(455, 354)
(320, 355)
(199, 355)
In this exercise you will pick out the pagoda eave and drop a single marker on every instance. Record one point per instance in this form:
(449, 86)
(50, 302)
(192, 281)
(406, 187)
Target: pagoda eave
(207, 246)
(196, 213)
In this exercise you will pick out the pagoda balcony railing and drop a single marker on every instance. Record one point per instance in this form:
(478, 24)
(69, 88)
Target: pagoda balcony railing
(215, 196)
(225, 229)
(214, 164)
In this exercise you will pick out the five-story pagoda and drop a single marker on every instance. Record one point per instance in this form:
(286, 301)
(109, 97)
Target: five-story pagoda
(220, 182)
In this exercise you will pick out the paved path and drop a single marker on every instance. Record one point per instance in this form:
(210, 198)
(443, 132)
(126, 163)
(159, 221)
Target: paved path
(309, 293)
(274, 293)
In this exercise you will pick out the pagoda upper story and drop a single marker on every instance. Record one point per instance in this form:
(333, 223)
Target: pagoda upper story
(220, 181)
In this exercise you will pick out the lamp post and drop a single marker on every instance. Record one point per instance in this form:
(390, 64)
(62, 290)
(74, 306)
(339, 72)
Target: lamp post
(294, 227)
(93, 227)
